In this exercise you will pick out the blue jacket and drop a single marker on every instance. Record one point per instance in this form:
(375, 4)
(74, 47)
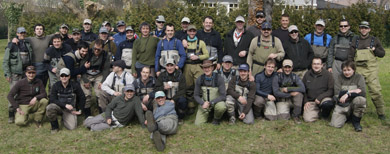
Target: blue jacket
(119, 37)
(125, 44)
(264, 84)
(318, 40)
(164, 110)
(70, 64)
(169, 45)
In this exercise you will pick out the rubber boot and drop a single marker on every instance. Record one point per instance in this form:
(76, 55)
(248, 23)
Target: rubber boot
(54, 126)
(356, 123)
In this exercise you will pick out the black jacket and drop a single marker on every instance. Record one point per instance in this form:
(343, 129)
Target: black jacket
(232, 50)
(212, 39)
(299, 52)
(72, 87)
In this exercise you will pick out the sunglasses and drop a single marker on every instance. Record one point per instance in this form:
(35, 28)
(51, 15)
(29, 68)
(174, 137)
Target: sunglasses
(292, 32)
(259, 16)
(160, 22)
(63, 75)
(343, 26)
(97, 49)
(267, 29)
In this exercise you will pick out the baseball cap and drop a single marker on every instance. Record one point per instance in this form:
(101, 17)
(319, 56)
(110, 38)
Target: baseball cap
(120, 23)
(21, 30)
(87, 21)
(129, 87)
(160, 18)
(185, 19)
(64, 26)
(103, 30)
(243, 67)
(287, 62)
(260, 13)
(65, 71)
(129, 28)
(227, 58)
(266, 25)
(239, 18)
(30, 69)
(119, 63)
(170, 61)
(159, 94)
(105, 23)
(364, 24)
(320, 22)
(191, 27)
(76, 30)
(292, 28)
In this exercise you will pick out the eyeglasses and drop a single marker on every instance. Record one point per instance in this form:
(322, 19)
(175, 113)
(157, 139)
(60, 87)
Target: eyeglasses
(343, 26)
(292, 32)
(64, 75)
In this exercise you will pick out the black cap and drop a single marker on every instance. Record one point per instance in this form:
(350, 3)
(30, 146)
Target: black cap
(119, 63)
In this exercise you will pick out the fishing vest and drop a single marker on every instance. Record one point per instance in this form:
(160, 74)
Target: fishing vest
(174, 84)
(319, 51)
(341, 50)
(227, 79)
(191, 52)
(243, 91)
(118, 87)
(141, 90)
(67, 96)
(209, 93)
(169, 54)
(364, 55)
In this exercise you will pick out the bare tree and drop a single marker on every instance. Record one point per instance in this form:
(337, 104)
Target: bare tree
(88, 10)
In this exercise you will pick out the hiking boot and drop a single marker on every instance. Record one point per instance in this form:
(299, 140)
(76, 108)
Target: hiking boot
(158, 142)
(297, 120)
(151, 122)
(54, 126)
(232, 120)
(215, 122)
(356, 123)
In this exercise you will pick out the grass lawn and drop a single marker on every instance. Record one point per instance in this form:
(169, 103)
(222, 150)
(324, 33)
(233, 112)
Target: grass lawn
(262, 137)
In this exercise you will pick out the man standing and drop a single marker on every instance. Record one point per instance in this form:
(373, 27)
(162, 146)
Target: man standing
(319, 40)
(125, 49)
(209, 93)
(87, 35)
(173, 83)
(299, 51)
(241, 93)
(288, 89)
(163, 121)
(339, 48)
(114, 83)
(364, 50)
(64, 28)
(28, 96)
(96, 74)
(265, 99)
(160, 31)
(182, 34)
(16, 58)
(282, 32)
(119, 112)
(143, 49)
(212, 39)
(260, 19)
(108, 46)
(237, 42)
(53, 55)
(169, 48)
(76, 38)
(263, 47)
(121, 35)
(319, 85)
(66, 99)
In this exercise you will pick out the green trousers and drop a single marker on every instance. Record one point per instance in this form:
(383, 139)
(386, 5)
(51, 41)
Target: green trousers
(38, 109)
(203, 114)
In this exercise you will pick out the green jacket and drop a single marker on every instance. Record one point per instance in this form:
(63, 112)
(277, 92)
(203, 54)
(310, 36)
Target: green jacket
(12, 63)
(144, 51)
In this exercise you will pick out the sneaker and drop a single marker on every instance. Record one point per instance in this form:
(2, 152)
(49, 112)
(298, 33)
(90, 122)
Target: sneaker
(232, 120)
(54, 131)
(158, 142)
(215, 122)
(11, 120)
(297, 120)
(151, 122)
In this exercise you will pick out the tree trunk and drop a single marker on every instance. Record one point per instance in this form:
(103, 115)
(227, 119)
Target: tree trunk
(267, 7)
(254, 6)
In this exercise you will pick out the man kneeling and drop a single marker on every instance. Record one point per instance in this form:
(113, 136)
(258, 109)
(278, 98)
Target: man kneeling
(163, 121)
(119, 112)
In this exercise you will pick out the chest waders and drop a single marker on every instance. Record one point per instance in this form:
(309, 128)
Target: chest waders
(209, 93)
(365, 56)
(243, 91)
(127, 57)
(320, 51)
(168, 54)
(118, 87)
(341, 50)
(191, 52)
(171, 92)
(261, 55)
(226, 79)
(142, 91)
(213, 53)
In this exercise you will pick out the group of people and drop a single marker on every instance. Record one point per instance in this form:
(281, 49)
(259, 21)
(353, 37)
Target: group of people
(253, 73)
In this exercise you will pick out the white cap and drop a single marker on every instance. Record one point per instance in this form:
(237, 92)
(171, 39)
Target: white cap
(320, 22)
(160, 18)
(65, 71)
(87, 21)
(239, 18)
(185, 19)
(292, 27)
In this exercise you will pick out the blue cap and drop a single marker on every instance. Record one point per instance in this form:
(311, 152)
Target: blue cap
(159, 94)
(21, 30)
(266, 25)
(243, 67)
(103, 30)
